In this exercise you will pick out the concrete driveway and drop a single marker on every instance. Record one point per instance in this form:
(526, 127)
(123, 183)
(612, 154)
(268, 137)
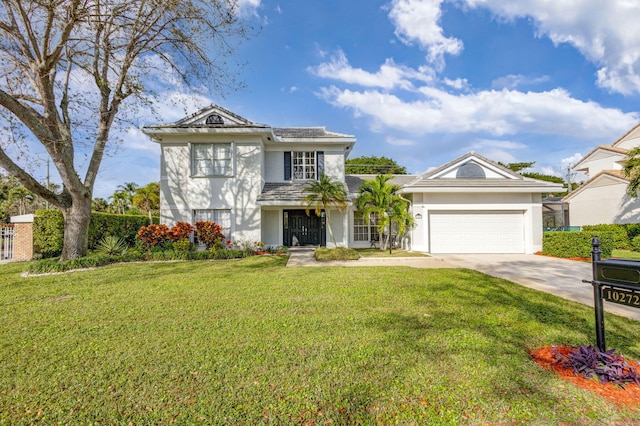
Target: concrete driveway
(552, 275)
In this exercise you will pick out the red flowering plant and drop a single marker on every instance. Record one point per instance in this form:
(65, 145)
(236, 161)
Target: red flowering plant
(153, 235)
(180, 231)
(209, 234)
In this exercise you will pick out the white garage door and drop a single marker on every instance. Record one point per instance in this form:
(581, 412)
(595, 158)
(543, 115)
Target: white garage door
(477, 232)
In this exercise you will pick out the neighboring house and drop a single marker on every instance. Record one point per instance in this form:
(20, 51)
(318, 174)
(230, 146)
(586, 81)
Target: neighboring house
(249, 178)
(603, 198)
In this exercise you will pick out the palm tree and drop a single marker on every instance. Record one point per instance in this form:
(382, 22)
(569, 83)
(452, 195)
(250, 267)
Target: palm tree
(120, 201)
(324, 193)
(147, 198)
(382, 197)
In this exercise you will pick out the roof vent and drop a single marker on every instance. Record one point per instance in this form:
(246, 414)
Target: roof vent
(214, 119)
(470, 171)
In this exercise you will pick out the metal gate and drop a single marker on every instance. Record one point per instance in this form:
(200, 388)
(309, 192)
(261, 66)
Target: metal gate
(6, 241)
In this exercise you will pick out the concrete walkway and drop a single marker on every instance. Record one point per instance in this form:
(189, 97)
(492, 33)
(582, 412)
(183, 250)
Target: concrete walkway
(560, 277)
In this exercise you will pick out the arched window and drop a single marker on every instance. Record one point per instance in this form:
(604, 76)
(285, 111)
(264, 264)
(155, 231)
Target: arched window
(470, 171)
(214, 119)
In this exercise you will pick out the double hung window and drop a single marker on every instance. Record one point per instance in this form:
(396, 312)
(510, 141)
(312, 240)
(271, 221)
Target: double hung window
(220, 216)
(304, 165)
(211, 159)
(365, 230)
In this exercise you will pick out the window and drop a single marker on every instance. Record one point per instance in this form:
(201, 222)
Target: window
(303, 165)
(363, 231)
(211, 159)
(219, 216)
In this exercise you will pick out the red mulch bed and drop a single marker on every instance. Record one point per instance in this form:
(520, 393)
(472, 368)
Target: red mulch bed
(579, 259)
(628, 396)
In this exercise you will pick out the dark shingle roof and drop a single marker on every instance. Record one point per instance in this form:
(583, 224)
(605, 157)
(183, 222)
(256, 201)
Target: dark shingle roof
(282, 191)
(354, 181)
(306, 132)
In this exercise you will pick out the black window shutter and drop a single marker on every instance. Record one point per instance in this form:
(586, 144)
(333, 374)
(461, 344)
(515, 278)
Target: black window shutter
(287, 165)
(320, 157)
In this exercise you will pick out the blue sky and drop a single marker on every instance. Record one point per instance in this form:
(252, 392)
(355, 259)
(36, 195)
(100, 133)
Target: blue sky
(425, 81)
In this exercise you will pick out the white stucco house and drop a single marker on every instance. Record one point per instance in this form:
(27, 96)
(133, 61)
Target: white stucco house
(603, 198)
(249, 178)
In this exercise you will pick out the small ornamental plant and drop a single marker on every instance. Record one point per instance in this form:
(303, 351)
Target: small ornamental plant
(153, 235)
(210, 234)
(181, 230)
(606, 366)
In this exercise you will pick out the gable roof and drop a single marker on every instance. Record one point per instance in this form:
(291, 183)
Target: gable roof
(474, 173)
(215, 119)
(616, 175)
(631, 134)
(609, 149)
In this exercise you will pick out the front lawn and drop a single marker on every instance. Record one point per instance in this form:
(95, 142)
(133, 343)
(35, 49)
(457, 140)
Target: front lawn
(252, 342)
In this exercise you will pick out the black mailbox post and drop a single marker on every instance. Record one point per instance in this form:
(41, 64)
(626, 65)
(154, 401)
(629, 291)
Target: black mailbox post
(614, 280)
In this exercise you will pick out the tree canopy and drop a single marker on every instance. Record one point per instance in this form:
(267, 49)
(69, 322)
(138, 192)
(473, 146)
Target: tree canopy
(373, 165)
(69, 70)
(632, 171)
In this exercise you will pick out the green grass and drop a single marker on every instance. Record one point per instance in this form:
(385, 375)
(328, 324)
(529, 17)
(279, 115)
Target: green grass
(324, 254)
(626, 254)
(252, 342)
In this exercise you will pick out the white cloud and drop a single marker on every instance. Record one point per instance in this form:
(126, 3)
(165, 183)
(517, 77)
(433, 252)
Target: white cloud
(571, 161)
(248, 8)
(492, 112)
(458, 83)
(418, 21)
(389, 76)
(513, 81)
(392, 140)
(605, 32)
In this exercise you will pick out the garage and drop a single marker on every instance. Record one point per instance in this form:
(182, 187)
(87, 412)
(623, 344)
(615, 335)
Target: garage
(476, 232)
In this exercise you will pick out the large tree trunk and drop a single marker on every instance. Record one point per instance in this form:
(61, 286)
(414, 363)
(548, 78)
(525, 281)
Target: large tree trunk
(76, 228)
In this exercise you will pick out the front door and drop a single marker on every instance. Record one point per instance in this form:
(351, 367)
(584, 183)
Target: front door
(302, 229)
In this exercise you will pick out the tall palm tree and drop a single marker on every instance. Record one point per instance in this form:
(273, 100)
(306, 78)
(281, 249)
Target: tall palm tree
(147, 198)
(324, 193)
(382, 197)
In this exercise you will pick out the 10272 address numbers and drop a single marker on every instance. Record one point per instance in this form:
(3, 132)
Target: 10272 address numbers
(623, 297)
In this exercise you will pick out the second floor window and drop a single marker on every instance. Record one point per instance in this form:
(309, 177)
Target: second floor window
(303, 165)
(211, 159)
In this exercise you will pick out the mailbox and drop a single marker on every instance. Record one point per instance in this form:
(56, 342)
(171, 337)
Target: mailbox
(625, 272)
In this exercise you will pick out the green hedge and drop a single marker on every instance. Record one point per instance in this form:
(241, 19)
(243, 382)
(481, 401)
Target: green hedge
(619, 231)
(48, 229)
(576, 244)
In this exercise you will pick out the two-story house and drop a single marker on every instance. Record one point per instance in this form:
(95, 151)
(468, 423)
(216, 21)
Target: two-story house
(249, 178)
(603, 198)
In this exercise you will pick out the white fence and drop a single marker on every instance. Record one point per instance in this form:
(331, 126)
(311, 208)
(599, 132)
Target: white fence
(6, 241)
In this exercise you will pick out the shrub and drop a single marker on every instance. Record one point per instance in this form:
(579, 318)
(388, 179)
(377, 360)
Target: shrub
(54, 265)
(48, 230)
(153, 235)
(112, 246)
(182, 245)
(48, 233)
(338, 253)
(635, 243)
(607, 366)
(575, 244)
(633, 230)
(620, 235)
(209, 233)
(181, 231)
